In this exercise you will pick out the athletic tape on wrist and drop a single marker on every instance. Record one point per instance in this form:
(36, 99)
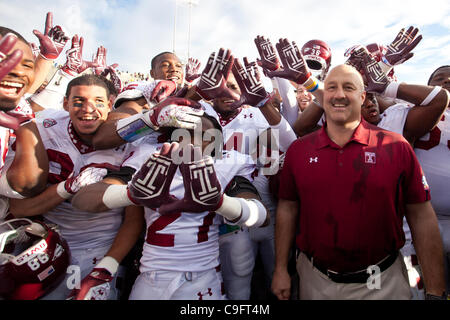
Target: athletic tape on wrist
(108, 263)
(5, 188)
(391, 90)
(431, 96)
(133, 128)
(61, 190)
(116, 196)
(253, 214)
(312, 84)
(230, 208)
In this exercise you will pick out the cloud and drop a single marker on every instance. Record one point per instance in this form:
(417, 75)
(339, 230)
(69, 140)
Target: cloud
(135, 31)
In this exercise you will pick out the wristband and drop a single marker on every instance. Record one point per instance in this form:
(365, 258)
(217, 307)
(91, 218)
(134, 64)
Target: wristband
(312, 84)
(108, 263)
(391, 90)
(133, 128)
(230, 208)
(431, 96)
(61, 190)
(5, 188)
(116, 196)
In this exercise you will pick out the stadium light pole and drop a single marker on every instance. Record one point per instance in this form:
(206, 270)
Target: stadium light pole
(175, 25)
(190, 3)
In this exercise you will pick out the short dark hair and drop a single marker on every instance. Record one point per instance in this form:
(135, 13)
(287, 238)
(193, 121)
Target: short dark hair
(153, 63)
(434, 72)
(4, 31)
(87, 80)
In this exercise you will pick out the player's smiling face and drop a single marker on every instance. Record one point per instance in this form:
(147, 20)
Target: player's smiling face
(88, 107)
(168, 67)
(223, 105)
(16, 83)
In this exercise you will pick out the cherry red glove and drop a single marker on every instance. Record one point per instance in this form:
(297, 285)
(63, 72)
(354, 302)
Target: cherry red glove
(8, 62)
(213, 81)
(269, 60)
(375, 77)
(192, 68)
(163, 89)
(95, 286)
(113, 77)
(100, 60)
(75, 63)
(202, 189)
(248, 78)
(150, 185)
(400, 49)
(13, 120)
(53, 40)
(294, 65)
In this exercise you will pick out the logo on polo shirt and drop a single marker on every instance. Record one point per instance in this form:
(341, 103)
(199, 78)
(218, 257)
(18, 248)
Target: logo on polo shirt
(370, 157)
(316, 160)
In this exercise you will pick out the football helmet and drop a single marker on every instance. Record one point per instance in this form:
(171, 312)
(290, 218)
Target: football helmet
(317, 55)
(33, 259)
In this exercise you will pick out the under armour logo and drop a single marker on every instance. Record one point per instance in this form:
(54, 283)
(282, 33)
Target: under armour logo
(200, 294)
(250, 116)
(316, 160)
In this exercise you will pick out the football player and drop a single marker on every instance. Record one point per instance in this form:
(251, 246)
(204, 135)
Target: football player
(185, 202)
(432, 150)
(99, 242)
(26, 174)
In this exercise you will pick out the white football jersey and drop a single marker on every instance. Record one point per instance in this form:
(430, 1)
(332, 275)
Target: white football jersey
(67, 154)
(433, 153)
(394, 118)
(186, 241)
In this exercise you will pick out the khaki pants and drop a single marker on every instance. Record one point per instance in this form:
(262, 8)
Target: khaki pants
(392, 284)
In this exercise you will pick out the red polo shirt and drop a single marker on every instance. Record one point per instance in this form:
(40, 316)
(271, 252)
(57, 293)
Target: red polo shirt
(352, 199)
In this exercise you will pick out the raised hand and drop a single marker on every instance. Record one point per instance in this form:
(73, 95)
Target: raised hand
(100, 60)
(376, 79)
(269, 60)
(35, 49)
(400, 49)
(163, 89)
(202, 189)
(294, 65)
(248, 78)
(53, 40)
(113, 77)
(8, 62)
(213, 80)
(150, 185)
(192, 68)
(75, 63)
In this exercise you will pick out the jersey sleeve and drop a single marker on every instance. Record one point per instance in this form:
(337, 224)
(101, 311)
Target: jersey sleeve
(415, 184)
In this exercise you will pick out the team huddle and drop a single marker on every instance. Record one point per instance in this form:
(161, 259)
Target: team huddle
(176, 188)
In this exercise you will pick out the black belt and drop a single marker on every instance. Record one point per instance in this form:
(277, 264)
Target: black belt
(353, 277)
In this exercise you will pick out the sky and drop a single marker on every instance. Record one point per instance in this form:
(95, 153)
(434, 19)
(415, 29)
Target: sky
(134, 31)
